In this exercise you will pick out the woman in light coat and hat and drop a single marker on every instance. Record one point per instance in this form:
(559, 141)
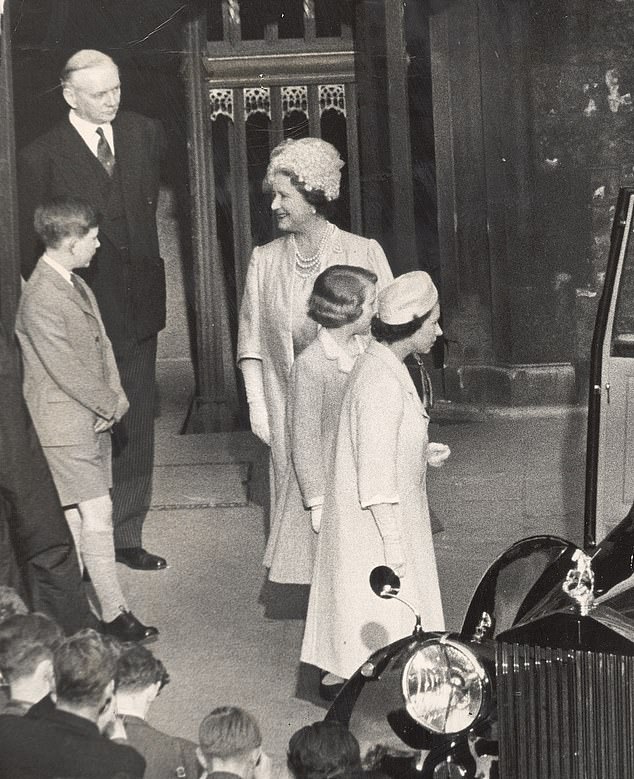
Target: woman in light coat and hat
(375, 511)
(303, 178)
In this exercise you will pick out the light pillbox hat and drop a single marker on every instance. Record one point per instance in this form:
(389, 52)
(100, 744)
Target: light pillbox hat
(408, 297)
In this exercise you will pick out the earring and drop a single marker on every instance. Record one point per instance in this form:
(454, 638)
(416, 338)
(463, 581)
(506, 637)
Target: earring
(313, 210)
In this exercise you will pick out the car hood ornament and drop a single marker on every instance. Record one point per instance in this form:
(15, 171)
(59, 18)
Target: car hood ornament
(579, 583)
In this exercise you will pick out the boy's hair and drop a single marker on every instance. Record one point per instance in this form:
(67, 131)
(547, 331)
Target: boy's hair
(84, 666)
(60, 219)
(137, 668)
(323, 749)
(26, 640)
(228, 731)
(338, 295)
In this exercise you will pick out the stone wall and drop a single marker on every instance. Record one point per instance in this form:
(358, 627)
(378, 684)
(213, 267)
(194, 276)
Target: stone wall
(582, 80)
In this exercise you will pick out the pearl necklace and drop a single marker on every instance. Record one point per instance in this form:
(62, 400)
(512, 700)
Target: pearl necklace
(307, 266)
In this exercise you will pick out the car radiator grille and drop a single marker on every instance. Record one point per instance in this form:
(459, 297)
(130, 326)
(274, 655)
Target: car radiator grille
(564, 714)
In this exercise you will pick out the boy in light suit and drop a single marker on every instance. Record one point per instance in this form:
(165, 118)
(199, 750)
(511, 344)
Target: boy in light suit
(74, 395)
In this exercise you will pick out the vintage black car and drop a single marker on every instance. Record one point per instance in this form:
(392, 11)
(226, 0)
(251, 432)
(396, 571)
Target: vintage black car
(539, 683)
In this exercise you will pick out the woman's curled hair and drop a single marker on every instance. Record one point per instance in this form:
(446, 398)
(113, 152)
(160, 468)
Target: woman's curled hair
(338, 295)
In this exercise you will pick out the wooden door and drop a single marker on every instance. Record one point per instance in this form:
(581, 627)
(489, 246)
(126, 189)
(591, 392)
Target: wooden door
(483, 170)
(612, 397)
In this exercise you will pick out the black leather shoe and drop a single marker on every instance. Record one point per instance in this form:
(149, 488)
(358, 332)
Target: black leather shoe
(136, 557)
(126, 627)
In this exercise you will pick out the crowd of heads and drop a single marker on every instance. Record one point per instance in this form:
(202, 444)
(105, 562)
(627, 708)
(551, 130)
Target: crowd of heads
(86, 673)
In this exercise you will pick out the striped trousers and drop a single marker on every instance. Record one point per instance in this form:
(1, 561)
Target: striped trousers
(133, 442)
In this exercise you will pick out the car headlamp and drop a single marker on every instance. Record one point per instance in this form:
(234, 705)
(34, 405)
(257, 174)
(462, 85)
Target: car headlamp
(444, 685)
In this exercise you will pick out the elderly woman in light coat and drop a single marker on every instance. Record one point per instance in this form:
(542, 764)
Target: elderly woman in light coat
(303, 177)
(375, 511)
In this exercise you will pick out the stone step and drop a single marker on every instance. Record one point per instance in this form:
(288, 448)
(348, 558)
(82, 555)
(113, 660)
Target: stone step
(203, 470)
(174, 449)
(200, 485)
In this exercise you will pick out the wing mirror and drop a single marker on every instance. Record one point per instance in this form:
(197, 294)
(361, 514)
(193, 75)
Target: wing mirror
(386, 584)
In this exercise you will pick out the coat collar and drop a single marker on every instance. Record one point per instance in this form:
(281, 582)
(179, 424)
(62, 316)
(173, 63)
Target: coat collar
(64, 719)
(333, 351)
(399, 369)
(63, 272)
(336, 243)
(133, 719)
(52, 277)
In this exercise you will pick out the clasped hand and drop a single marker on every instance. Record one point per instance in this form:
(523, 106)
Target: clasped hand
(101, 425)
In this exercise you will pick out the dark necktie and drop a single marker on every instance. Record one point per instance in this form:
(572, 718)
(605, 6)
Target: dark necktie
(104, 152)
(78, 286)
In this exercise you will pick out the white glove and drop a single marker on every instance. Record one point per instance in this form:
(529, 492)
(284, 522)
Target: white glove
(254, 386)
(259, 419)
(315, 518)
(437, 454)
(394, 557)
(386, 516)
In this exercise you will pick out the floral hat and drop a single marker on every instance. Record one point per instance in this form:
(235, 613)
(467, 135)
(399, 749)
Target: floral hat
(315, 163)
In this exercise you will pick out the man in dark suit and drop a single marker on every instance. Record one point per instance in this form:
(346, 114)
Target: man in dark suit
(65, 740)
(111, 159)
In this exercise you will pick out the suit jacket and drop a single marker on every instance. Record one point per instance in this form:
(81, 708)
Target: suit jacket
(166, 756)
(70, 374)
(47, 744)
(129, 285)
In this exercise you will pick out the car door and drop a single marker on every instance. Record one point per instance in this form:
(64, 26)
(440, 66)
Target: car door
(610, 444)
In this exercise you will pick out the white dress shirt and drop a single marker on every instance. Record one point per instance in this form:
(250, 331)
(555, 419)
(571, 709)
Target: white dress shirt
(88, 132)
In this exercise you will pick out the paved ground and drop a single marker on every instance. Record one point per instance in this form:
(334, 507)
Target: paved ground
(228, 637)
